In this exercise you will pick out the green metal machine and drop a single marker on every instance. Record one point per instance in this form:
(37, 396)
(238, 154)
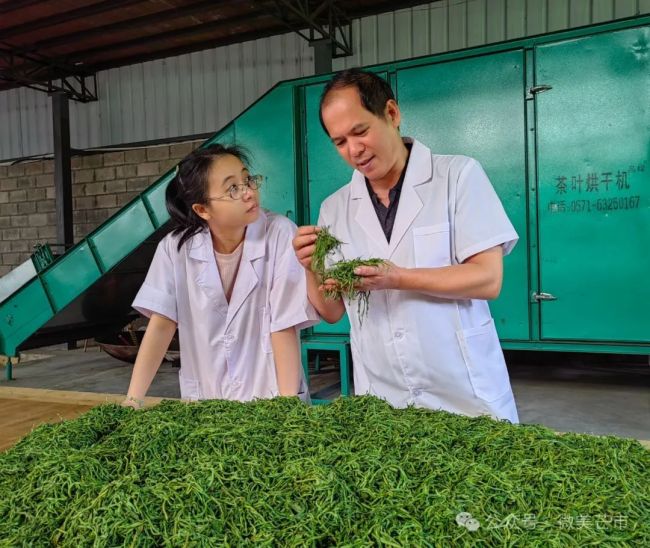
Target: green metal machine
(561, 124)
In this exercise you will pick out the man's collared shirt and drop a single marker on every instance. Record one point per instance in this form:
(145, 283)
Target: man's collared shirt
(386, 215)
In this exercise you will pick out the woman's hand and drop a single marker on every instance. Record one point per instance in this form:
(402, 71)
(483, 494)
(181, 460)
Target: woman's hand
(132, 402)
(286, 355)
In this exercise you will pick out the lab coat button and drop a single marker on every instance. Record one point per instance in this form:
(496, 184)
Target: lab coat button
(417, 392)
(399, 334)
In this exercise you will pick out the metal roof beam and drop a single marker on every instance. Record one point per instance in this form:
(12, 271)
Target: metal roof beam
(132, 23)
(16, 5)
(65, 17)
(326, 22)
(75, 87)
(166, 36)
(71, 80)
(12, 52)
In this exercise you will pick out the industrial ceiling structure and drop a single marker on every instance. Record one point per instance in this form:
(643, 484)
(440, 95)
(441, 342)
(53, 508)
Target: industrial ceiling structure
(59, 45)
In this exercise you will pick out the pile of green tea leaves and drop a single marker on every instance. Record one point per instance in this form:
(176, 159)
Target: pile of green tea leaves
(355, 472)
(341, 272)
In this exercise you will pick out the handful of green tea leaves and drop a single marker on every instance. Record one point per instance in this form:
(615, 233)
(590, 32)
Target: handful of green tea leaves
(341, 272)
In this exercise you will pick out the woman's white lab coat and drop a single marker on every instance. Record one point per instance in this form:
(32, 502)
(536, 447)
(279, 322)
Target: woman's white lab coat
(414, 349)
(226, 347)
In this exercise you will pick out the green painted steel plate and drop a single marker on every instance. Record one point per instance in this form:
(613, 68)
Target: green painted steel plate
(121, 234)
(154, 198)
(78, 265)
(594, 183)
(267, 131)
(22, 314)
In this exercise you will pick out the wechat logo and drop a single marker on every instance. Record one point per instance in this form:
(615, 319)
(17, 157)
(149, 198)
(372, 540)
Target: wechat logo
(465, 519)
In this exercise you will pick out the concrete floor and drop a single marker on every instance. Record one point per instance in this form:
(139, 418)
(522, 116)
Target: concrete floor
(566, 392)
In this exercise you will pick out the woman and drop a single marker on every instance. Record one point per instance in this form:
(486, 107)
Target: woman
(227, 277)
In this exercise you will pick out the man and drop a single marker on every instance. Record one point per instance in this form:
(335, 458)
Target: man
(429, 339)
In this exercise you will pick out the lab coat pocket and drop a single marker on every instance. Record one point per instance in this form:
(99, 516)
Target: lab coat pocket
(189, 387)
(265, 330)
(431, 245)
(484, 360)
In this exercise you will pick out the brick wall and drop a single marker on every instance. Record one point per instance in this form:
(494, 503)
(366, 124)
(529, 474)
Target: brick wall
(101, 184)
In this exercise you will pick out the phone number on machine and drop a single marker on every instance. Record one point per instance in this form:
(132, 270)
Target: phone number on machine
(604, 204)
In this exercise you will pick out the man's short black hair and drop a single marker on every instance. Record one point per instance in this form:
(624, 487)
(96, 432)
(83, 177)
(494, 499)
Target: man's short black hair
(373, 90)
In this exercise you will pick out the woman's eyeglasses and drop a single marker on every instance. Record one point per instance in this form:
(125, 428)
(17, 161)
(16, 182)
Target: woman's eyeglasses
(236, 192)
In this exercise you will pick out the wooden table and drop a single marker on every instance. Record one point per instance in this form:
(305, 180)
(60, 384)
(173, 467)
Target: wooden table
(23, 409)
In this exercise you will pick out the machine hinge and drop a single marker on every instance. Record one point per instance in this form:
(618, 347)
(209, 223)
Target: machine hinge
(543, 297)
(537, 89)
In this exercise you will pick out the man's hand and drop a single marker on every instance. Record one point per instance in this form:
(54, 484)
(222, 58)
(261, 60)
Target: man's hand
(384, 276)
(329, 285)
(303, 244)
(331, 310)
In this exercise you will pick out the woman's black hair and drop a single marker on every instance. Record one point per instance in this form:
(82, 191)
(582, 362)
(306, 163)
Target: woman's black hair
(190, 186)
